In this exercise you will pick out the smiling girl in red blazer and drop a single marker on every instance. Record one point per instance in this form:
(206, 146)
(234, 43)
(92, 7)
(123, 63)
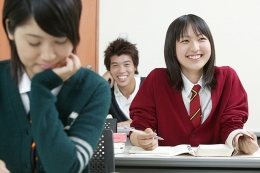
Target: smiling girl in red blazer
(162, 103)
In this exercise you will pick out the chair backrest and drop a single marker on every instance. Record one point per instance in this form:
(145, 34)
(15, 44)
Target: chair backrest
(103, 159)
(111, 123)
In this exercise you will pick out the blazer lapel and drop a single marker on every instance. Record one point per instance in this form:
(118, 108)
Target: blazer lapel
(183, 112)
(17, 105)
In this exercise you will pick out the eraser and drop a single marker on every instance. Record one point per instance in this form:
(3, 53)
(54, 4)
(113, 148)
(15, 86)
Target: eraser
(119, 137)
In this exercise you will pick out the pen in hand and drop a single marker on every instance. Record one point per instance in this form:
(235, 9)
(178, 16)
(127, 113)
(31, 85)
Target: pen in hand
(141, 132)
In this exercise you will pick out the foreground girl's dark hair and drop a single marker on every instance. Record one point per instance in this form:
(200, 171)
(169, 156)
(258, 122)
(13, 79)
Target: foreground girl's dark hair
(56, 17)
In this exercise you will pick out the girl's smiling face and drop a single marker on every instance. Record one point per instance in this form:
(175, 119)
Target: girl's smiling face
(38, 50)
(193, 52)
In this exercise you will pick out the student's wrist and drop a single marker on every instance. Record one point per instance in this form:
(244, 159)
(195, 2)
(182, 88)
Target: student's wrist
(47, 78)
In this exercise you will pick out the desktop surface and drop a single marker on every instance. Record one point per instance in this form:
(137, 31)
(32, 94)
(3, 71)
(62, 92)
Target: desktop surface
(126, 163)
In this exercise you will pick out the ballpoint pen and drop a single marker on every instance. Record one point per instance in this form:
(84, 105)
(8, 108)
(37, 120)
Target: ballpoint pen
(141, 132)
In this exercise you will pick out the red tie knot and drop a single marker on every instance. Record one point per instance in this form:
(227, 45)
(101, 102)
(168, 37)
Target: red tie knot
(196, 88)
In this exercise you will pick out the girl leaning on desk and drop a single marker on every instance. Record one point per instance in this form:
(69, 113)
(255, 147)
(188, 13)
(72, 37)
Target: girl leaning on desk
(64, 113)
(162, 103)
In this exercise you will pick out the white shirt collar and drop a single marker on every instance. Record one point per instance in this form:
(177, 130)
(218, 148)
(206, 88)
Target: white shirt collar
(25, 85)
(117, 92)
(123, 102)
(189, 85)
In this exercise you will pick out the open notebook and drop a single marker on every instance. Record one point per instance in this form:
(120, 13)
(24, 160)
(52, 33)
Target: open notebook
(215, 150)
(202, 150)
(218, 150)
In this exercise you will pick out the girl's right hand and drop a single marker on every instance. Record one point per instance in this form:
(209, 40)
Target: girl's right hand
(3, 168)
(147, 140)
(70, 66)
(108, 77)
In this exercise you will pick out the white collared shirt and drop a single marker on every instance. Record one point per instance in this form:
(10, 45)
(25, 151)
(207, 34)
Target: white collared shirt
(205, 97)
(25, 87)
(122, 101)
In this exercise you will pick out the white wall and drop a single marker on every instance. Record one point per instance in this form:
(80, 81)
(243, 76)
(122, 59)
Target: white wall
(235, 26)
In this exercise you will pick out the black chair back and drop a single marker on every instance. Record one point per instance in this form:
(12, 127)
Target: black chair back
(103, 159)
(111, 123)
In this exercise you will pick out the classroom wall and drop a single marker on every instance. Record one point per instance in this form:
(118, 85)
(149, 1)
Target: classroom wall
(235, 26)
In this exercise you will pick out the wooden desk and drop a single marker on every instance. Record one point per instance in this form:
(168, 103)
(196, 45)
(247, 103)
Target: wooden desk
(126, 163)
